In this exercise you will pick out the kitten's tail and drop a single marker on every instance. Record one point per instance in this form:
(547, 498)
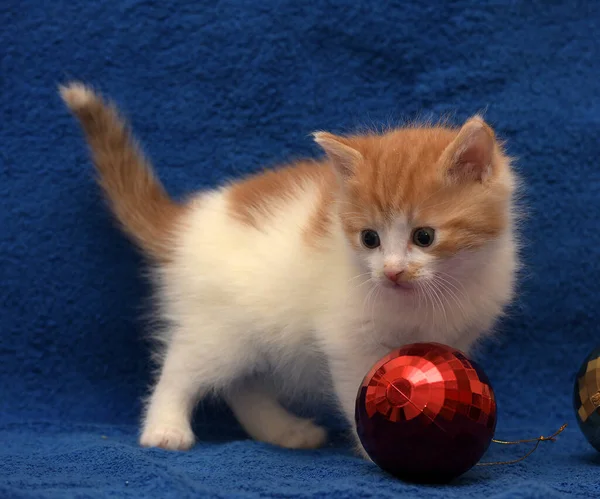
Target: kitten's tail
(137, 198)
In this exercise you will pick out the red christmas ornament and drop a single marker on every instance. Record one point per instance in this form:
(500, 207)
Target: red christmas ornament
(426, 413)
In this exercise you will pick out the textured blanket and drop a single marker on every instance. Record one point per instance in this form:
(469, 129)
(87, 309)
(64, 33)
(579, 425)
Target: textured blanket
(218, 89)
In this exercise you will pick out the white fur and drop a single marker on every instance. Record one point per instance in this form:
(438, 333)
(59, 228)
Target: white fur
(256, 314)
(76, 95)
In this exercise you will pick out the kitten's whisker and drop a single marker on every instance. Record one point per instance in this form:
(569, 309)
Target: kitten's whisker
(440, 279)
(370, 280)
(374, 302)
(427, 296)
(424, 301)
(441, 273)
(461, 290)
(367, 298)
(453, 295)
(359, 275)
(440, 301)
(418, 289)
(446, 289)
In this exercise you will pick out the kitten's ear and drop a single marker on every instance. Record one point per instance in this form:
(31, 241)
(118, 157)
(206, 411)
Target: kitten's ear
(338, 149)
(470, 156)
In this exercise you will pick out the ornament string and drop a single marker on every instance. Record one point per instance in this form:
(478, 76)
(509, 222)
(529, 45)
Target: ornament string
(538, 440)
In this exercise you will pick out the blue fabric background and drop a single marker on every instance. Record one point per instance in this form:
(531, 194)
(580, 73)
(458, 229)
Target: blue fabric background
(218, 89)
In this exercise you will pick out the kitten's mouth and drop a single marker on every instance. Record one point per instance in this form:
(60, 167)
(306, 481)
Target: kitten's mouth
(402, 286)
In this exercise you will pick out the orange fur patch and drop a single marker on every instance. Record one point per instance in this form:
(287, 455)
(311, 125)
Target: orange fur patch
(255, 198)
(411, 272)
(320, 222)
(402, 172)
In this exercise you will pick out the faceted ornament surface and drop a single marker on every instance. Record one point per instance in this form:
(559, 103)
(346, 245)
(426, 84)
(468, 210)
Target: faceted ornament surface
(426, 413)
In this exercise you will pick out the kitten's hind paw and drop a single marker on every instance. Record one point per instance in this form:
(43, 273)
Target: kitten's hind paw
(301, 434)
(168, 438)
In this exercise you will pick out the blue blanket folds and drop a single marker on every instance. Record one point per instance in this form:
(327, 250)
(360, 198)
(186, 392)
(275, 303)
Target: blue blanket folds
(219, 89)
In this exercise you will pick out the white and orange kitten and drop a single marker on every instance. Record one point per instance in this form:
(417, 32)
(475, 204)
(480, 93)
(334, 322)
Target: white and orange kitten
(312, 271)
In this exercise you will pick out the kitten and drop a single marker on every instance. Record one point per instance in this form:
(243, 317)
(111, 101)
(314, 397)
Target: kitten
(314, 270)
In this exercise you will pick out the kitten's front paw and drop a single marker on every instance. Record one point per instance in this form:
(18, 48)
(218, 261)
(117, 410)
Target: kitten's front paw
(301, 434)
(167, 437)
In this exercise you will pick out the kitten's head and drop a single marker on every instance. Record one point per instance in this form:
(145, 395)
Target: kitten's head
(414, 200)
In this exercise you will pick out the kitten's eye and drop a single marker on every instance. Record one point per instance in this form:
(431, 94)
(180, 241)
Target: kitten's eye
(370, 238)
(423, 236)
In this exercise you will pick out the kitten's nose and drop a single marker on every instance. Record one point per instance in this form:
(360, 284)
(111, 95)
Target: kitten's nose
(393, 275)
